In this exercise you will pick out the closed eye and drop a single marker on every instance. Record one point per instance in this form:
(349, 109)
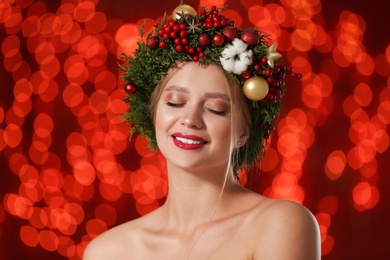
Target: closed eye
(219, 113)
(173, 104)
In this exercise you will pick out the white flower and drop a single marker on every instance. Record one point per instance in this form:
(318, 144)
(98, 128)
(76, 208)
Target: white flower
(234, 58)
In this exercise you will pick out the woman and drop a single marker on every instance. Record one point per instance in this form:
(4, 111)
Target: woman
(204, 126)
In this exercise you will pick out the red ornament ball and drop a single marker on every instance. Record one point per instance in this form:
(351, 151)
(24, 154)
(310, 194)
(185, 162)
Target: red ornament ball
(152, 42)
(204, 39)
(218, 39)
(130, 88)
(230, 33)
(250, 37)
(246, 74)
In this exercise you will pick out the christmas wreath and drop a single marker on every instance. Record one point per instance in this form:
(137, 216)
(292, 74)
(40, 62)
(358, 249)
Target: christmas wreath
(208, 37)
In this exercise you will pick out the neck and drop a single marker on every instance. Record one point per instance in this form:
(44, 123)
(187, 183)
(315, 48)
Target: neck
(195, 196)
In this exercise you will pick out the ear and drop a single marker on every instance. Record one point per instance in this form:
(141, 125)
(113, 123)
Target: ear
(241, 141)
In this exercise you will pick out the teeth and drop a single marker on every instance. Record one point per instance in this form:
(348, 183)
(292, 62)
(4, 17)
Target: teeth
(188, 141)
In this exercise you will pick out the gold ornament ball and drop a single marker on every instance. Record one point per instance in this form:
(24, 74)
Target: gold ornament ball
(256, 88)
(186, 9)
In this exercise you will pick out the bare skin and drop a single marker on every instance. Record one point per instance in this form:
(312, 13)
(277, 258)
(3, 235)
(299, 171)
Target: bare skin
(251, 227)
(197, 221)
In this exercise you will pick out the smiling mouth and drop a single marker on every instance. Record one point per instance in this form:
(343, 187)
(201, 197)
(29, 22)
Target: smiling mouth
(188, 141)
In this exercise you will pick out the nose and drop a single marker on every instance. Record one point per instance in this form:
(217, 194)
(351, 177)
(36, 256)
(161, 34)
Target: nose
(192, 118)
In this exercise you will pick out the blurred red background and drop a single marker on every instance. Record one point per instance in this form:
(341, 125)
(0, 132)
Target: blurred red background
(68, 171)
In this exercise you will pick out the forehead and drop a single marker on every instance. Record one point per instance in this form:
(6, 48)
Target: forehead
(196, 77)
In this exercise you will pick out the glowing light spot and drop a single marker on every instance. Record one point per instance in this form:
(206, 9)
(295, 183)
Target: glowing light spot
(22, 90)
(17, 205)
(327, 245)
(50, 67)
(99, 102)
(97, 23)
(84, 11)
(29, 236)
(110, 192)
(73, 95)
(14, 135)
(365, 196)
(84, 173)
(269, 163)
(127, 44)
(66, 246)
(10, 46)
(48, 240)
(106, 213)
(95, 227)
(335, 164)
(52, 179)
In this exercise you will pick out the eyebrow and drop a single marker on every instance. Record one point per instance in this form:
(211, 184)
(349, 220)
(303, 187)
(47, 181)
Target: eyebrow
(207, 95)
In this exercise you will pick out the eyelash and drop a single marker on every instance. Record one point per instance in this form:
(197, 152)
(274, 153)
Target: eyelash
(174, 104)
(219, 113)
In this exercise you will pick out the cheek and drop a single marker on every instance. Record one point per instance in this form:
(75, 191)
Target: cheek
(164, 117)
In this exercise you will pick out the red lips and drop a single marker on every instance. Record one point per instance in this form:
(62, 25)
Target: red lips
(188, 142)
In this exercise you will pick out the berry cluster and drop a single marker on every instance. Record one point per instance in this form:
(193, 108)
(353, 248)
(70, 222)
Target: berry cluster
(220, 29)
(276, 79)
(214, 19)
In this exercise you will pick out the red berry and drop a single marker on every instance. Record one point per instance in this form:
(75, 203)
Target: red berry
(202, 12)
(201, 55)
(195, 58)
(266, 72)
(179, 48)
(166, 36)
(177, 41)
(176, 28)
(162, 44)
(264, 60)
(191, 51)
(256, 67)
(199, 49)
(183, 34)
(161, 32)
(173, 34)
(184, 41)
(183, 27)
(246, 74)
(168, 29)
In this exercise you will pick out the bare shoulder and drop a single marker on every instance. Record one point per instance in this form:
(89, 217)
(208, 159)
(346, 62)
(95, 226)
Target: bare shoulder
(117, 242)
(290, 229)
(108, 244)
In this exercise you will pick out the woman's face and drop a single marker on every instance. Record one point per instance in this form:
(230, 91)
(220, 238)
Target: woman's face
(193, 118)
